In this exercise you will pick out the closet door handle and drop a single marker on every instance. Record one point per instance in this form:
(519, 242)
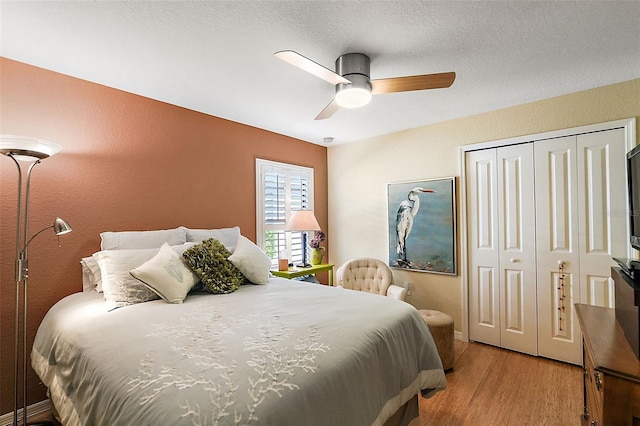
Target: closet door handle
(514, 260)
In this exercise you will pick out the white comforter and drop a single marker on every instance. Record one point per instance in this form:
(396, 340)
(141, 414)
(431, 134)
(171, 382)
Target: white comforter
(285, 353)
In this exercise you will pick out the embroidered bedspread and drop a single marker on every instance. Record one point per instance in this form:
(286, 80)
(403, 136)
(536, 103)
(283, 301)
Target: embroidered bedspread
(285, 353)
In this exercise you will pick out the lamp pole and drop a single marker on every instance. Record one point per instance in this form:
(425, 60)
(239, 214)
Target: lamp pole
(33, 150)
(21, 273)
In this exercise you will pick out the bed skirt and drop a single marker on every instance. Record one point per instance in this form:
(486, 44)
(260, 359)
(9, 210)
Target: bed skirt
(408, 414)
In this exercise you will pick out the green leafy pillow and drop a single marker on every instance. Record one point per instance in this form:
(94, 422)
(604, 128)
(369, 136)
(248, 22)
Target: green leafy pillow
(209, 261)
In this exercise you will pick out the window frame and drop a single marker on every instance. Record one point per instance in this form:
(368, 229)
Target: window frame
(289, 170)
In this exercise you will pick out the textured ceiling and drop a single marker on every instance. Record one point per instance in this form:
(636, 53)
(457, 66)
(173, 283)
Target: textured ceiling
(217, 56)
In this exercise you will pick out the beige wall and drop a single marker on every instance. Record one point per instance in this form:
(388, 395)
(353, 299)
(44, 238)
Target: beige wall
(359, 173)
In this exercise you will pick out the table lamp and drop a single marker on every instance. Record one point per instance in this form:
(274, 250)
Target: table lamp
(303, 221)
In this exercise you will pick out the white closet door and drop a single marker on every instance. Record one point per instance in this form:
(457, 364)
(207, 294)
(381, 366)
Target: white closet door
(557, 243)
(578, 180)
(482, 213)
(569, 208)
(603, 228)
(517, 250)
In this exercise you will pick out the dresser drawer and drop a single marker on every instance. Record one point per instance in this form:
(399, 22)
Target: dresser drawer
(612, 371)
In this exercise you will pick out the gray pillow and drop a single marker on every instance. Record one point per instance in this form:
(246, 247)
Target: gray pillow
(227, 236)
(127, 240)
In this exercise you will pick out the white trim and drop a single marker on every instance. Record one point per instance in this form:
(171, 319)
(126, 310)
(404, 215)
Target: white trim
(629, 126)
(33, 410)
(264, 166)
(462, 228)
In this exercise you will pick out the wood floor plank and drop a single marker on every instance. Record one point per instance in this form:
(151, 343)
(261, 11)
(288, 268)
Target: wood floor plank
(493, 386)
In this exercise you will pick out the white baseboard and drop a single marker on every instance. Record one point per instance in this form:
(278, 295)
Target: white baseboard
(33, 410)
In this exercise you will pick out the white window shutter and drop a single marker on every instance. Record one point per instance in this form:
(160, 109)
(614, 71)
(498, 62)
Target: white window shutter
(281, 189)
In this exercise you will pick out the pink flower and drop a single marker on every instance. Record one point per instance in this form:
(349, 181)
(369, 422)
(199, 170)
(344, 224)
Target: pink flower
(318, 237)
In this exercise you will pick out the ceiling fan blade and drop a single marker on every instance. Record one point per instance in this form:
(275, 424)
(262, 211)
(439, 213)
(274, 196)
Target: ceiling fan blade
(413, 82)
(328, 111)
(311, 67)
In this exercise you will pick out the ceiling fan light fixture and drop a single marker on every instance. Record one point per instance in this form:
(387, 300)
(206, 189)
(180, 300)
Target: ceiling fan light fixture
(353, 84)
(355, 68)
(353, 97)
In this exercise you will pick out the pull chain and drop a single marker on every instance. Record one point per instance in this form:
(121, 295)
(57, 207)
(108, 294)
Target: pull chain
(560, 288)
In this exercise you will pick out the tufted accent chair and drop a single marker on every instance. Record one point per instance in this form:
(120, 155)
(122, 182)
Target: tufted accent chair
(370, 275)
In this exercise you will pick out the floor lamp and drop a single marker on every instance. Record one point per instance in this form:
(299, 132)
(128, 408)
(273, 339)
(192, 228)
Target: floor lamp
(22, 149)
(303, 221)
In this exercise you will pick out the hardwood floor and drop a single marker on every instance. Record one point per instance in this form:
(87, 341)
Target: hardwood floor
(493, 386)
(46, 419)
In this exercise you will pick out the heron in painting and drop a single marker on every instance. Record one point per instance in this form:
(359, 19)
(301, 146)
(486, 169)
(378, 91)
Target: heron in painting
(407, 211)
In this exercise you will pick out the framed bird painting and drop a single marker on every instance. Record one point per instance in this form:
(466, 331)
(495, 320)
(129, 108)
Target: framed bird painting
(422, 225)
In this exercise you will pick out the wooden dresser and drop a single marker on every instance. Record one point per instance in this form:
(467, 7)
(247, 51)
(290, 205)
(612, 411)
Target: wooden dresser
(611, 370)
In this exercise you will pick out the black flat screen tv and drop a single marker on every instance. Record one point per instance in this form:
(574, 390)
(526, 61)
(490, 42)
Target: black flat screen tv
(633, 176)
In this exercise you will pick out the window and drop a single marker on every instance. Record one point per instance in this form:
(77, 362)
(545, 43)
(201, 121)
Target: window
(280, 189)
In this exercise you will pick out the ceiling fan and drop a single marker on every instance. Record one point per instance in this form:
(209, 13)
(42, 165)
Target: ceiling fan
(354, 88)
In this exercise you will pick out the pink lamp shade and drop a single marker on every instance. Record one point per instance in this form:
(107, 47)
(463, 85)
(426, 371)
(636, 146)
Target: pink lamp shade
(303, 220)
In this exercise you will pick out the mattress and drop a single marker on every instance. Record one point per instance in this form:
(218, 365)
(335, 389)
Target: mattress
(284, 353)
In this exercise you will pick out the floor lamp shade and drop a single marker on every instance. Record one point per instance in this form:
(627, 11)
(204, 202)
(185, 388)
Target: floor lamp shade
(24, 149)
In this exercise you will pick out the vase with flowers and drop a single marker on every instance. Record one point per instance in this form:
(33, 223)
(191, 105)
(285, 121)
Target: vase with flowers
(317, 252)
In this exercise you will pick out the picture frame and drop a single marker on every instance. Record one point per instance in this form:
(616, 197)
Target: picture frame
(422, 225)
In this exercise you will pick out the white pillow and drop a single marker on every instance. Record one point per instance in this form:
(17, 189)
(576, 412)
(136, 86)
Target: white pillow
(227, 236)
(128, 240)
(252, 262)
(119, 287)
(166, 275)
(91, 277)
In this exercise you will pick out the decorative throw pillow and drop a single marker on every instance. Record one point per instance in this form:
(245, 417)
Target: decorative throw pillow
(251, 261)
(166, 275)
(209, 260)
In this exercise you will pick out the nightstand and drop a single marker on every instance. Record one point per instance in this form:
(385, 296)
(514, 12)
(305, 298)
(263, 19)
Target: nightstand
(297, 271)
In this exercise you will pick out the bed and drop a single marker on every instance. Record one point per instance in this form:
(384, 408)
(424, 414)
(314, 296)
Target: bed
(282, 353)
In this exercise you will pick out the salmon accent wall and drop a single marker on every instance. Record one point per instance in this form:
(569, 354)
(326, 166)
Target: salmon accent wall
(127, 163)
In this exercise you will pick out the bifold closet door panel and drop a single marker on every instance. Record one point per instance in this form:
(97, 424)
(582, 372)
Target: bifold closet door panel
(578, 180)
(482, 240)
(545, 219)
(603, 229)
(517, 250)
(557, 246)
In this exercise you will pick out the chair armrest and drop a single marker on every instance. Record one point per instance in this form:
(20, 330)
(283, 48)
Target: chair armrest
(397, 292)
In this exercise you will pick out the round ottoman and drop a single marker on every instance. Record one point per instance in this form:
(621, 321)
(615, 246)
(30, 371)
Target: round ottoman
(441, 328)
